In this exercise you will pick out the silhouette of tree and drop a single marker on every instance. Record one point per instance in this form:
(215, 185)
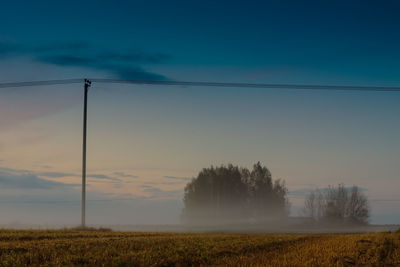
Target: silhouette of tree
(233, 194)
(266, 198)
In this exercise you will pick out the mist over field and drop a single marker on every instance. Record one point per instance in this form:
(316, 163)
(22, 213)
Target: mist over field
(225, 198)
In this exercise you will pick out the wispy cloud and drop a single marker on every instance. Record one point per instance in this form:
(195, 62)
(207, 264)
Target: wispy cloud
(158, 193)
(28, 198)
(125, 175)
(22, 179)
(56, 174)
(103, 177)
(178, 178)
(122, 64)
(164, 183)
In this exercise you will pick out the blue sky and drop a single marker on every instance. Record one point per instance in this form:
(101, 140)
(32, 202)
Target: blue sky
(350, 40)
(309, 138)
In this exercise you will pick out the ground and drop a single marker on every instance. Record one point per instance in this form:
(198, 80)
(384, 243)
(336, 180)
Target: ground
(106, 248)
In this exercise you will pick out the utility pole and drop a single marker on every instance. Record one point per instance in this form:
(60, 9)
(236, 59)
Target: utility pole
(86, 89)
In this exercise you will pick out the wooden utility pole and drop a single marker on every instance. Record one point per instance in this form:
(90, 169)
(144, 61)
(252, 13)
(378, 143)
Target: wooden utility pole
(83, 216)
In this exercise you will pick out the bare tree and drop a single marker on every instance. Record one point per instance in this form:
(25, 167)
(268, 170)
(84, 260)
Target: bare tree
(310, 205)
(357, 207)
(337, 205)
(315, 205)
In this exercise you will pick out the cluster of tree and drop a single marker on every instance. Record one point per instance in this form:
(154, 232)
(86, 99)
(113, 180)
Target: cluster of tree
(337, 205)
(239, 195)
(233, 194)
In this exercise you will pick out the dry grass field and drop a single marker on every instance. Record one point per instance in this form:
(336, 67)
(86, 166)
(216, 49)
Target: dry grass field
(96, 248)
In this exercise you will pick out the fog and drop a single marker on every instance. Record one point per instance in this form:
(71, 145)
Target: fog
(147, 144)
(210, 202)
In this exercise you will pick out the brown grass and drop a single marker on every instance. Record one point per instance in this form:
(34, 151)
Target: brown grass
(99, 248)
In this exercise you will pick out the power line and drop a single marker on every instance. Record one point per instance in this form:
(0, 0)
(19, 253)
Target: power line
(207, 84)
(40, 83)
(253, 85)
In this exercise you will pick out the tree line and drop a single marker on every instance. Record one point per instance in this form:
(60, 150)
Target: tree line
(240, 195)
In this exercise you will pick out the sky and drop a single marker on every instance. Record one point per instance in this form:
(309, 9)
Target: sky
(146, 142)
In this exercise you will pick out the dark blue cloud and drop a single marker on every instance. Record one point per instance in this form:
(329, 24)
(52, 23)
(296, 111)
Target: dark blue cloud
(7, 49)
(133, 57)
(68, 60)
(124, 65)
(128, 72)
(73, 47)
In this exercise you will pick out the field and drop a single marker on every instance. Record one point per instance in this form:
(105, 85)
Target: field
(96, 248)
